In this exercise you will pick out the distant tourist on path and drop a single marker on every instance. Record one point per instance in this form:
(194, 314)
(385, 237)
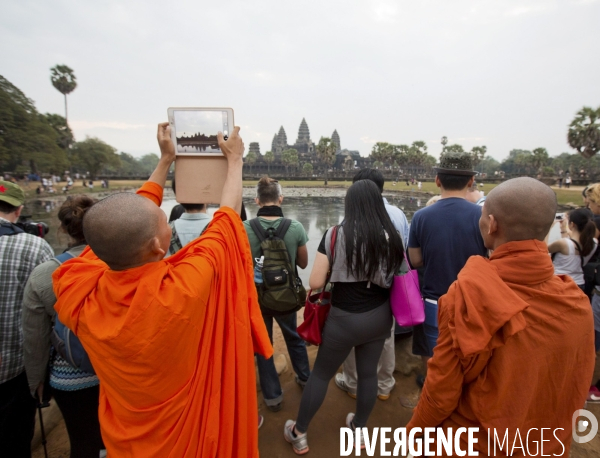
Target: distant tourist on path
(515, 352)
(368, 251)
(171, 340)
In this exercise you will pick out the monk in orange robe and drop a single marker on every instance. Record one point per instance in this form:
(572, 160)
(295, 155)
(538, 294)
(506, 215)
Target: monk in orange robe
(516, 347)
(172, 340)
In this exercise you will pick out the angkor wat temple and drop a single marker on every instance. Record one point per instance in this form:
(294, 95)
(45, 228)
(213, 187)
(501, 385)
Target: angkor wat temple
(306, 148)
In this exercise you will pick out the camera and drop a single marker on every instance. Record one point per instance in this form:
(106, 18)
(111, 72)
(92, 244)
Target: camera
(31, 227)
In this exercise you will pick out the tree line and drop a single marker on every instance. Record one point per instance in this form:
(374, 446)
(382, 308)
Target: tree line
(36, 143)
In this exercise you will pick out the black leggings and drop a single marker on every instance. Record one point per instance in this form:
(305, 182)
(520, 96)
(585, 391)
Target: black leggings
(366, 332)
(80, 411)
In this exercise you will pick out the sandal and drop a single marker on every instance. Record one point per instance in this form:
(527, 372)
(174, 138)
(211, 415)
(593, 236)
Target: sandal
(299, 442)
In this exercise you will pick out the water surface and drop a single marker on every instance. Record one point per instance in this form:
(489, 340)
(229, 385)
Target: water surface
(316, 214)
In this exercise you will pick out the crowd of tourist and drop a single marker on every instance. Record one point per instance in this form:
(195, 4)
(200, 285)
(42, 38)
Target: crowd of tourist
(163, 317)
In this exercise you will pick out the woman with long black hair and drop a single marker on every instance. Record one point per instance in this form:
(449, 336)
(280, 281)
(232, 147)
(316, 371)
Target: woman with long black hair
(368, 250)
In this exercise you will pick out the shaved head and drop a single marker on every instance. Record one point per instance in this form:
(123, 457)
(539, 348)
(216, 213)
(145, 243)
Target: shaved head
(524, 209)
(121, 229)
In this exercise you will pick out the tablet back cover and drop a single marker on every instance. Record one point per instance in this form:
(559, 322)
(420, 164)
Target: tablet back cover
(200, 180)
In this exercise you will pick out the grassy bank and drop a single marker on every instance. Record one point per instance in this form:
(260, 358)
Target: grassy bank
(565, 196)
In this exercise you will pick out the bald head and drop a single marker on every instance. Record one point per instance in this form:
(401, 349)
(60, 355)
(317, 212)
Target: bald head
(121, 229)
(523, 208)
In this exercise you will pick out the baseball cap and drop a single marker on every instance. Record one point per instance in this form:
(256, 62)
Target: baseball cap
(11, 193)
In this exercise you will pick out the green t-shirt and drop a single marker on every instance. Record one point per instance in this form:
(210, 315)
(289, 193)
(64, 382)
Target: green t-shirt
(294, 237)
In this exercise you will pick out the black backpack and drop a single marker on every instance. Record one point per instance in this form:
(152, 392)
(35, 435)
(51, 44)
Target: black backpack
(281, 291)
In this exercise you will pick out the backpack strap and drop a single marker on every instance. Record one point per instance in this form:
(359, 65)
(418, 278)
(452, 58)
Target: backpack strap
(64, 257)
(175, 244)
(258, 229)
(578, 249)
(9, 229)
(284, 225)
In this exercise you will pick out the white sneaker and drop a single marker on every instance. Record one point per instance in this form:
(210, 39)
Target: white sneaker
(349, 424)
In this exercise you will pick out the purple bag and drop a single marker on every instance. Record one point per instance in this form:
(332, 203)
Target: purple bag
(406, 300)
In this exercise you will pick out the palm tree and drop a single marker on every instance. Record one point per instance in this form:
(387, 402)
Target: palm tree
(251, 159)
(289, 157)
(584, 132)
(539, 159)
(383, 152)
(326, 152)
(293, 159)
(456, 148)
(63, 79)
(307, 168)
(269, 157)
(478, 153)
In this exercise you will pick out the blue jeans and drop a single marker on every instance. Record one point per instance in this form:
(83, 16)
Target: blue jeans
(269, 380)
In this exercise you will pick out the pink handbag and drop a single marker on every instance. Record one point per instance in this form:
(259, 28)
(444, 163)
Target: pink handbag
(405, 298)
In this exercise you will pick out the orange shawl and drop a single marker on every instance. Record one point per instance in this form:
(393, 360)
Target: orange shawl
(515, 350)
(173, 344)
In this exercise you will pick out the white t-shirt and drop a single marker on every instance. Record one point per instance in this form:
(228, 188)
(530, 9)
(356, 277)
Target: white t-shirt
(570, 264)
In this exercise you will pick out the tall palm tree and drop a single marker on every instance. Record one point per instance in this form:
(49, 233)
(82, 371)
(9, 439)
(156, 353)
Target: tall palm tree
(326, 151)
(584, 132)
(63, 79)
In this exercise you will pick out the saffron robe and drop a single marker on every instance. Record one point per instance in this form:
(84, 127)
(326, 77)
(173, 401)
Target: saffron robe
(173, 344)
(515, 351)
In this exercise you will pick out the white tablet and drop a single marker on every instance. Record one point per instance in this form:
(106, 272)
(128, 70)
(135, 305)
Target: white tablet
(194, 130)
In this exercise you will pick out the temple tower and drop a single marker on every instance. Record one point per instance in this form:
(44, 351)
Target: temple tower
(255, 148)
(335, 138)
(304, 144)
(303, 133)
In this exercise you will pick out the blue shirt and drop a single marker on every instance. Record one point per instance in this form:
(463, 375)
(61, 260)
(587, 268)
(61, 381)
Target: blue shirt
(190, 225)
(448, 234)
(398, 220)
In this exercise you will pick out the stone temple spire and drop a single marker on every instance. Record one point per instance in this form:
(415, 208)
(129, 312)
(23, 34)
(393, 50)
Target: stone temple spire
(282, 138)
(274, 143)
(254, 148)
(335, 138)
(303, 133)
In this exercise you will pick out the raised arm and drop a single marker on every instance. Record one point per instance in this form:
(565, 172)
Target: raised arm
(153, 188)
(167, 155)
(233, 150)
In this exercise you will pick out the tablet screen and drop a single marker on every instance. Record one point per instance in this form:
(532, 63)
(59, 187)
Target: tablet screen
(196, 131)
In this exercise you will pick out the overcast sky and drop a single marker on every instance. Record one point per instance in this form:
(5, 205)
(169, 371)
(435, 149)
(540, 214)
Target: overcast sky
(505, 74)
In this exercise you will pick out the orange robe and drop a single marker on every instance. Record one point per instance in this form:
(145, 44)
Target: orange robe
(173, 344)
(515, 351)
